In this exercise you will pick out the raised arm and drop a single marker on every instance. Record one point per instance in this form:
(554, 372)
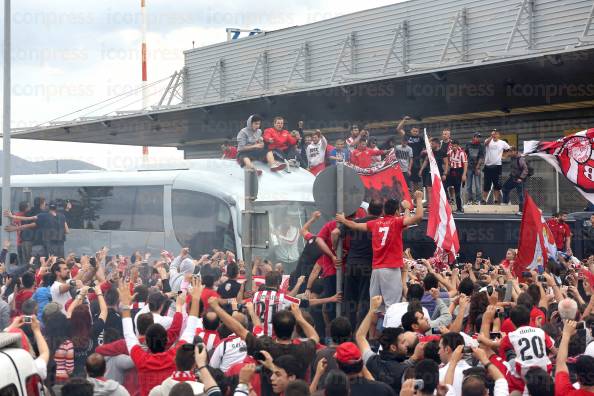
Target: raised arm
(361, 334)
(308, 329)
(102, 305)
(314, 217)
(230, 322)
(568, 332)
(400, 127)
(351, 224)
(418, 216)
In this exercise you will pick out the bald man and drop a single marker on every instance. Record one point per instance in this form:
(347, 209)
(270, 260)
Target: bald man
(102, 386)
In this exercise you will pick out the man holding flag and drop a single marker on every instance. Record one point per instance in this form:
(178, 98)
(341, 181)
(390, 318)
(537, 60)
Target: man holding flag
(440, 227)
(536, 241)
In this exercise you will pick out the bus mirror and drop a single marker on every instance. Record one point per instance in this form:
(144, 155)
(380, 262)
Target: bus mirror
(260, 230)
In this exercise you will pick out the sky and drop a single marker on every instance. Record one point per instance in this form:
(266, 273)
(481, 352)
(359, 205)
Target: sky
(67, 55)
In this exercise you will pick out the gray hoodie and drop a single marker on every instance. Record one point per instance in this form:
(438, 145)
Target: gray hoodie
(248, 136)
(178, 269)
(107, 388)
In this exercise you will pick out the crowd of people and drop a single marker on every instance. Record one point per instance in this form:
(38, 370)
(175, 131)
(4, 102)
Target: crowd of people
(183, 325)
(475, 166)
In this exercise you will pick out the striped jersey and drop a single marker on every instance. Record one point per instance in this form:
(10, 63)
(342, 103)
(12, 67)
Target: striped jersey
(210, 338)
(530, 346)
(267, 303)
(458, 158)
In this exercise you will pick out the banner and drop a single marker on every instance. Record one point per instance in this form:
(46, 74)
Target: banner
(384, 181)
(533, 241)
(572, 156)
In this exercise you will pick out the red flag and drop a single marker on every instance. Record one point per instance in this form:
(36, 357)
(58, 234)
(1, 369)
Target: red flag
(440, 226)
(532, 249)
(384, 180)
(572, 156)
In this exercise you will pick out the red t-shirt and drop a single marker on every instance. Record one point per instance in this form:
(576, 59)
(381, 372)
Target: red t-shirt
(386, 241)
(20, 297)
(230, 153)
(281, 139)
(560, 232)
(564, 387)
(206, 294)
(328, 268)
(364, 158)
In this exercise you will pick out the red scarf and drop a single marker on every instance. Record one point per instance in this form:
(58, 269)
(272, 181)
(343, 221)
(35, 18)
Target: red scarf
(183, 376)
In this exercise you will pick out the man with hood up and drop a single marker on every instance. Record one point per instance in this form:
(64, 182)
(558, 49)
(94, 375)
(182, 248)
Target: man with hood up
(180, 271)
(102, 386)
(251, 147)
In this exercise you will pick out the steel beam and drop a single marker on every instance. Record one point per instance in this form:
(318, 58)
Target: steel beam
(262, 68)
(399, 42)
(348, 51)
(525, 20)
(216, 74)
(301, 65)
(458, 38)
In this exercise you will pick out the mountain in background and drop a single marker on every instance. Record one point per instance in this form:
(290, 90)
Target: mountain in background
(20, 166)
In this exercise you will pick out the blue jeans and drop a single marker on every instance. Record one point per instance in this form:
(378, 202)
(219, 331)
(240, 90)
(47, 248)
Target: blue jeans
(473, 182)
(512, 184)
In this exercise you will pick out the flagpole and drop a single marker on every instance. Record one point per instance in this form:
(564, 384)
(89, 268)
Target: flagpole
(6, 118)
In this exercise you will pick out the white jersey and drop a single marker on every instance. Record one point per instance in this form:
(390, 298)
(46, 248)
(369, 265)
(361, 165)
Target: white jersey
(267, 303)
(316, 153)
(230, 351)
(530, 345)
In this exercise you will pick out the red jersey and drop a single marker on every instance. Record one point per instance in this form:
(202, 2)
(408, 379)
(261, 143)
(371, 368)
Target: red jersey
(364, 158)
(564, 386)
(530, 346)
(386, 241)
(560, 231)
(210, 338)
(328, 268)
(206, 294)
(230, 152)
(281, 140)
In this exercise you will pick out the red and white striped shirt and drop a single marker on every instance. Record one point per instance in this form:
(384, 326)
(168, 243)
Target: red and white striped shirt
(458, 158)
(210, 338)
(267, 303)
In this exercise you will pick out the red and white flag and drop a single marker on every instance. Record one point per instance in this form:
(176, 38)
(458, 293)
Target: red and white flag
(440, 225)
(533, 241)
(572, 156)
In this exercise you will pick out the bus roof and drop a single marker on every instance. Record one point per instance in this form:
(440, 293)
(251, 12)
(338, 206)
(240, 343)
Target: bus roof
(208, 175)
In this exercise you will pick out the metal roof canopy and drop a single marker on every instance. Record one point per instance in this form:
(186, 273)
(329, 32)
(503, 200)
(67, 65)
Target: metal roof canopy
(363, 66)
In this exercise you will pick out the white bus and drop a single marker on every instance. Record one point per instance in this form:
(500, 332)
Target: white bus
(194, 203)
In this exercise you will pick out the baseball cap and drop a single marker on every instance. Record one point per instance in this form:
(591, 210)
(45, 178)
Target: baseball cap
(347, 353)
(53, 205)
(477, 134)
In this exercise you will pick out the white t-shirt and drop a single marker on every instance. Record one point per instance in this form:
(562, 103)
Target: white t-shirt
(230, 351)
(316, 153)
(458, 376)
(60, 298)
(494, 151)
(395, 313)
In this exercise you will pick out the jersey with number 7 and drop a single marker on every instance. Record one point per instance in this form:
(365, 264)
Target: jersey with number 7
(386, 241)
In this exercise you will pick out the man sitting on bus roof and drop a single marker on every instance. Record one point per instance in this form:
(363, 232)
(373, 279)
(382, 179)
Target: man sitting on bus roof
(250, 146)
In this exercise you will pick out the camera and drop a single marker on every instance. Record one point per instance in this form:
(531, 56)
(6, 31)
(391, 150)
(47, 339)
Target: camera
(435, 330)
(259, 356)
(93, 261)
(501, 271)
(580, 326)
(418, 384)
(72, 283)
(198, 342)
(467, 349)
(541, 278)
(526, 274)
(91, 290)
(27, 319)
(494, 335)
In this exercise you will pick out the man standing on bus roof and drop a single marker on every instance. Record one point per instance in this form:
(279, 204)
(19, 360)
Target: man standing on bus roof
(386, 241)
(250, 146)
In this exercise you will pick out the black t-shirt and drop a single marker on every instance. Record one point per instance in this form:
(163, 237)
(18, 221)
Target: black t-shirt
(229, 289)
(364, 387)
(360, 249)
(304, 352)
(416, 143)
(309, 255)
(82, 351)
(388, 368)
(30, 234)
(51, 227)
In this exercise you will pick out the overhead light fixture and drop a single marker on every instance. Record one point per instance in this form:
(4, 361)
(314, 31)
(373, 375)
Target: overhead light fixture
(505, 110)
(67, 130)
(439, 76)
(152, 117)
(106, 123)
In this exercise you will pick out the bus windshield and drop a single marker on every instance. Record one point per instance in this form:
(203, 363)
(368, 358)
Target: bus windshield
(285, 220)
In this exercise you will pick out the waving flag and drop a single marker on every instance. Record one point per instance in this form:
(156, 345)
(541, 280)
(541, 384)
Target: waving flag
(572, 156)
(384, 180)
(534, 239)
(440, 226)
